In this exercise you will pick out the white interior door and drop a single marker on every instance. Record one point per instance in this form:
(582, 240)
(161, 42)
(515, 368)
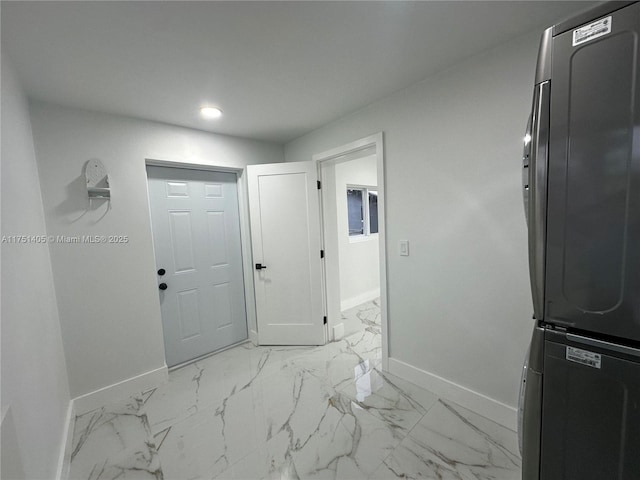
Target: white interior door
(196, 236)
(286, 243)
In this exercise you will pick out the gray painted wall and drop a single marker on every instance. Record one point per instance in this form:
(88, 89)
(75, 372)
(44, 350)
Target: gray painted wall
(459, 304)
(107, 293)
(35, 390)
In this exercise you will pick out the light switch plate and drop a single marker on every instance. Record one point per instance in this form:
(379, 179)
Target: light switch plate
(404, 248)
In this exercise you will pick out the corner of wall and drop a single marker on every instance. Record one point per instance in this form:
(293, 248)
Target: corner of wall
(66, 449)
(97, 399)
(253, 336)
(118, 391)
(35, 382)
(465, 397)
(11, 462)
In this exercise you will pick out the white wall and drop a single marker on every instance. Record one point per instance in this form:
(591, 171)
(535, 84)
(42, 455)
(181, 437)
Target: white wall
(35, 390)
(359, 258)
(107, 294)
(459, 305)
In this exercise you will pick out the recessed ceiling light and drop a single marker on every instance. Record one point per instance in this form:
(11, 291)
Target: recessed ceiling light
(211, 112)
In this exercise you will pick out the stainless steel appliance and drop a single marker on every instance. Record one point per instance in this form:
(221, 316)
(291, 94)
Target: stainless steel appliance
(580, 393)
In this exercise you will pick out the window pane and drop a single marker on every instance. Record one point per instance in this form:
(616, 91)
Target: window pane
(354, 209)
(373, 212)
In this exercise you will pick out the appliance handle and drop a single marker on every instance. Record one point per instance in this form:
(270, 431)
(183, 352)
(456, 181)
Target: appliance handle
(526, 155)
(538, 191)
(605, 345)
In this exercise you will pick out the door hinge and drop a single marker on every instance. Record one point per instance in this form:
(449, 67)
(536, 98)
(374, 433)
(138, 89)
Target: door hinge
(325, 320)
(321, 253)
(319, 185)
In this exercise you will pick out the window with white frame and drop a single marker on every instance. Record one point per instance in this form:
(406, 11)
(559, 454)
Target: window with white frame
(362, 210)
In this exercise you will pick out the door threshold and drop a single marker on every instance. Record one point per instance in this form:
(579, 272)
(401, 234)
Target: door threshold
(207, 355)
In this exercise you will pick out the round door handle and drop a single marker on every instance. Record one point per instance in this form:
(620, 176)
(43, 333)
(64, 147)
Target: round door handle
(162, 271)
(163, 286)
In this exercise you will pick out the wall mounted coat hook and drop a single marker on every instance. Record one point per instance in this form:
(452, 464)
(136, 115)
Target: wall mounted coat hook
(97, 180)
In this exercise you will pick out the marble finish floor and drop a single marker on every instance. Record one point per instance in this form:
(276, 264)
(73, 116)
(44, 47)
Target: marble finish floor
(291, 413)
(361, 317)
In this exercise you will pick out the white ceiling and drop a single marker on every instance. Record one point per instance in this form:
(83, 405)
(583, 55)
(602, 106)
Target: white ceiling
(277, 69)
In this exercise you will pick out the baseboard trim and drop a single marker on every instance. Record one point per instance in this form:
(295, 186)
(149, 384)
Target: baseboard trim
(253, 336)
(66, 445)
(463, 396)
(337, 332)
(359, 299)
(120, 390)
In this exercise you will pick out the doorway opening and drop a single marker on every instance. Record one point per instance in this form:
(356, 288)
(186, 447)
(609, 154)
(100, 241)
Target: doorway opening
(353, 220)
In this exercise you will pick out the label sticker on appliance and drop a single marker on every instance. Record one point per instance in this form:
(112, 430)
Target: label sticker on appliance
(585, 358)
(593, 30)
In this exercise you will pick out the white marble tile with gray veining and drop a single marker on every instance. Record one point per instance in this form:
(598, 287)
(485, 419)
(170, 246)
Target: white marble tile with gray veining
(115, 443)
(337, 364)
(252, 413)
(362, 316)
(451, 442)
(208, 443)
(335, 440)
(383, 398)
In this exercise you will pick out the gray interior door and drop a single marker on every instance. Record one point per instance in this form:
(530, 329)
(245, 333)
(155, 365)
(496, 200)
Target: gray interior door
(593, 223)
(196, 235)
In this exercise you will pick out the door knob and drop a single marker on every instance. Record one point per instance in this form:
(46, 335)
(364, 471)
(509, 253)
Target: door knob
(162, 271)
(163, 286)
(259, 266)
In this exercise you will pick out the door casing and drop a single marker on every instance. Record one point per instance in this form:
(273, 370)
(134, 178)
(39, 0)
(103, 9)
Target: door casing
(374, 144)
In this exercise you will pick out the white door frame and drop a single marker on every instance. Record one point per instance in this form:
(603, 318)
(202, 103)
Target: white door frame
(373, 142)
(245, 235)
